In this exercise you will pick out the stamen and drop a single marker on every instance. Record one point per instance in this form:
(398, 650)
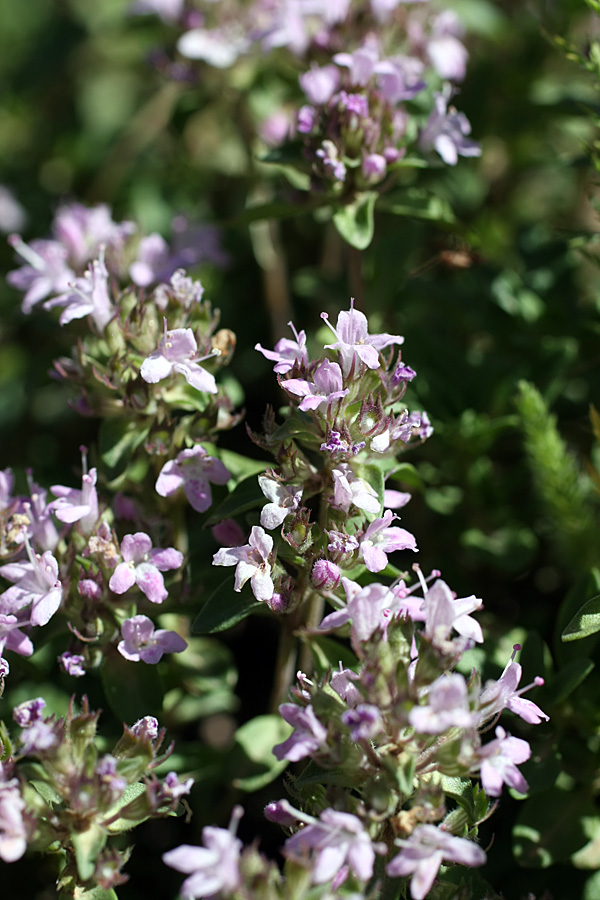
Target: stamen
(26, 252)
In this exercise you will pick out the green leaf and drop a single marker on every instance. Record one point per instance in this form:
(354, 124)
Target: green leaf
(224, 609)
(356, 221)
(247, 495)
(118, 441)
(569, 678)
(127, 822)
(421, 205)
(87, 845)
(585, 622)
(329, 653)
(143, 691)
(256, 739)
(241, 467)
(372, 474)
(48, 793)
(461, 791)
(550, 828)
(289, 160)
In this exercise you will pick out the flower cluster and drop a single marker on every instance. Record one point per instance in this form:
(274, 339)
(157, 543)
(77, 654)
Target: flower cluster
(348, 414)
(42, 536)
(81, 798)
(363, 65)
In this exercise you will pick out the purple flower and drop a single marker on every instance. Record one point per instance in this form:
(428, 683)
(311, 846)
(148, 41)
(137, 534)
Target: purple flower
(12, 638)
(86, 296)
(447, 707)
(284, 500)
(212, 869)
(142, 643)
(194, 470)
(423, 853)
(41, 529)
(499, 760)
(228, 533)
(143, 566)
(152, 262)
(338, 839)
(353, 341)
(503, 694)
(364, 721)
(72, 664)
(35, 584)
(287, 353)
(329, 153)
(174, 788)
(305, 122)
(320, 83)
(326, 387)
(342, 683)
(4, 668)
(446, 132)
(145, 728)
(78, 505)
(444, 612)
(341, 544)
(178, 352)
(252, 562)
(360, 64)
(47, 271)
(355, 104)
(308, 737)
(219, 48)
(447, 54)
(38, 737)
(374, 166)
(13, 830)
(403, 373)
(168, 10)
(82, 230)
(380, 539)
(7, 482)
(368, 608)
(350, 490)
(325, 575)
(25, 714)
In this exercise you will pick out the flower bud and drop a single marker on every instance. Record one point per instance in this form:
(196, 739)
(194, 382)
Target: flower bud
(325, 575)
(281, 812)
